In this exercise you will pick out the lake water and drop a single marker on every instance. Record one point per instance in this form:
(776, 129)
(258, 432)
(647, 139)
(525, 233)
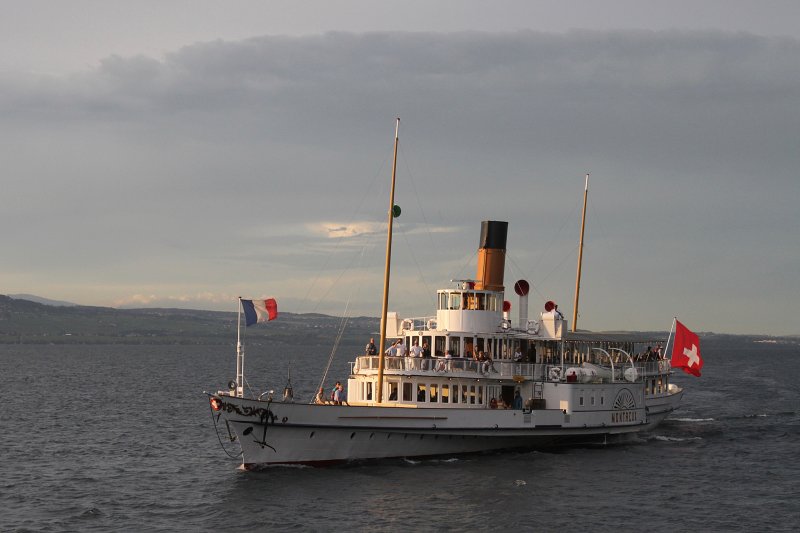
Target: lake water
(98, 438)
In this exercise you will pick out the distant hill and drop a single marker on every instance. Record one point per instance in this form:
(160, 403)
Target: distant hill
(28, 322)
(40, 300)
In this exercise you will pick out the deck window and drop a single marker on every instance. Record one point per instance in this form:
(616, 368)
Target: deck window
(421, 392)
(455, 300)
(368, 390)
(434, 392)
(445, 393)
(392, 392)
(407, 397)
(472, 394)
(455, 393)
(454, 345)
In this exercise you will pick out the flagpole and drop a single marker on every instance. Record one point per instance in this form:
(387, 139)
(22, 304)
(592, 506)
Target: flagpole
(671, 330)
(239, 353)
(580, 258)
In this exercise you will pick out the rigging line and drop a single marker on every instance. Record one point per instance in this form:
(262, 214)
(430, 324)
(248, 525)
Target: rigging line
(469, 261)
(329, 256)
(598, 222)
(416, 194)
(344, 270)
(558, 266)
(522, 275)
(557, 234)
(426, 225)
(343, 325)
(428, 291)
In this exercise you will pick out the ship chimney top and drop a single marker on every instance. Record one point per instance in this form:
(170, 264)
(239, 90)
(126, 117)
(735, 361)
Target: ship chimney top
(492, 256)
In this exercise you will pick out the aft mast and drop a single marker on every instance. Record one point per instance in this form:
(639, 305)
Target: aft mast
(580, 258)
(384, 307)
(239, 354)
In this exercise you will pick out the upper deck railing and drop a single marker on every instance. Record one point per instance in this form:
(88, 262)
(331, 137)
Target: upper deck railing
(500, 369)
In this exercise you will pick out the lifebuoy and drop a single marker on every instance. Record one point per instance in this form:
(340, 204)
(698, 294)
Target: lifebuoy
(532, 327)
(408, 325)
(431, 324)
(216, 404)
(485, 367)
(555, 373)
(441, 366)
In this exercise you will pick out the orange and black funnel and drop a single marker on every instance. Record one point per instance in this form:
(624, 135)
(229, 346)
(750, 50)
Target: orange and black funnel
(492, 256)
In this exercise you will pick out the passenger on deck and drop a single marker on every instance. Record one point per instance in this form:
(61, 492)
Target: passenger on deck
(334, 392)
(401, 348)
(370, 348)
(341, 395)
(517, 403)
(415, 353)
(426, 356)
(517, 355)
(319, 399)
(557, 313)
(391, 351)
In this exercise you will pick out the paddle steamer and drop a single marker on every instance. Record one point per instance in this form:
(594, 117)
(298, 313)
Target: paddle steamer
(483, 381)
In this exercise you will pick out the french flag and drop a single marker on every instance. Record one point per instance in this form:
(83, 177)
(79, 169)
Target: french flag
(259, 310)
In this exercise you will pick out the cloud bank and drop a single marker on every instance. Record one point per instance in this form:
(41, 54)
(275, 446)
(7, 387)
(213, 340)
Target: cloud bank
(226, 166)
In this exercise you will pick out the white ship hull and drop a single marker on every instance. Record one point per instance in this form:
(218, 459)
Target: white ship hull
(289, 433)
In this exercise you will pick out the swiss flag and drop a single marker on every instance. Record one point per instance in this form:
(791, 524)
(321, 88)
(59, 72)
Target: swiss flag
(686, 350)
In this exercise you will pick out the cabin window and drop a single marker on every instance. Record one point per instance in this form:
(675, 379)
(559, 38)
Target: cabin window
(440, 346)
(455, 300)
(434, 392)
(392, 392)
(407, 397)
(454, 345)
(580, 400)
(455, 393)
(421, 392)
(368, 390)
(463, 394)
(472, 394)
(426, 340)
(480, 395)
(469, 349)
(445, 393)
(592, 400)
(442, 300)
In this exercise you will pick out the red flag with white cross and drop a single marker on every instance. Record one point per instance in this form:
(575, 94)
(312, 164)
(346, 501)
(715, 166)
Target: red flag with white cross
(686, 350)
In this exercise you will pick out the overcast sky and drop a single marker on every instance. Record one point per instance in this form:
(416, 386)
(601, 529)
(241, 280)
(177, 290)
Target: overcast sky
(183, 153)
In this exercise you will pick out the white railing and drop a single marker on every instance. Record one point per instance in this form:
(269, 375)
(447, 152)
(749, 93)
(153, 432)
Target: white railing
(501, 368)
(455, 365)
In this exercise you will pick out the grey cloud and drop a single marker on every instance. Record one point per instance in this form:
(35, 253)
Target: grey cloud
(684, 132)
